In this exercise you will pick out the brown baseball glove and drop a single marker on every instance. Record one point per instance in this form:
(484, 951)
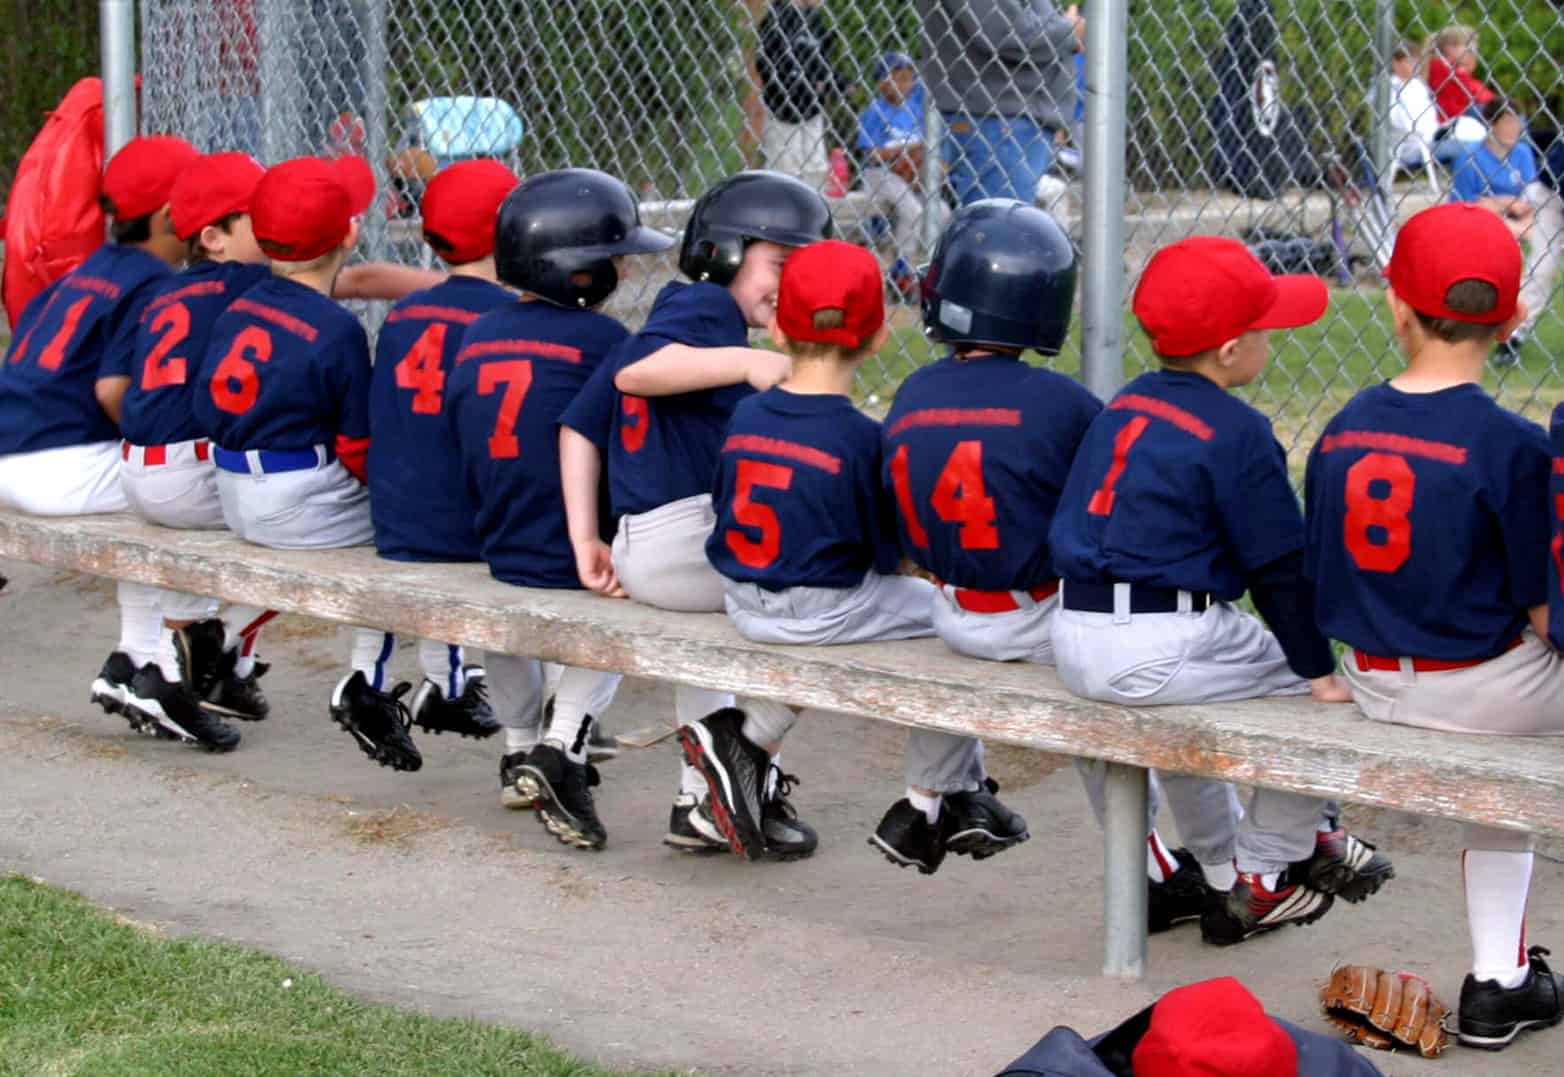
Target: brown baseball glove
(1385, 1010)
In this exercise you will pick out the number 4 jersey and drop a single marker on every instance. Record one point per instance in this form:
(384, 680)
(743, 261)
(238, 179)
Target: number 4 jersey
(976, 455)
(1428, 523)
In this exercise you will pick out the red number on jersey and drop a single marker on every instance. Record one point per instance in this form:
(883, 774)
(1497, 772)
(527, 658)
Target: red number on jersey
(158, 370)
(633, 435)
(763, 518)
(959, 498)
(420, 370)
(1558, 540)
(516, 376)
(1101, 503)
(1389, 513)
(235, 383)
(53, 353)
(909, 512)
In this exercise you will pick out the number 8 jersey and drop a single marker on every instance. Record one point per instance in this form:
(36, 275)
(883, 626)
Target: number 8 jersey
(1428, 524)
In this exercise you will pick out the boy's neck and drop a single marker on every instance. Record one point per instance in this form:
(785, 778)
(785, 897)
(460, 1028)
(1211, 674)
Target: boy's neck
(319, 280)
(1434, 364)
(482, 269)
(1207, 367)
(820, 377)
(165, 253)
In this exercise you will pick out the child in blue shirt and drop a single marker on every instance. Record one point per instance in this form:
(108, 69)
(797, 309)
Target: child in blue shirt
(890, 142)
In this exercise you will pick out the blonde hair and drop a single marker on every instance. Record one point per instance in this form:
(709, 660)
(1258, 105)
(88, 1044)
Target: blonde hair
(1465, 36)
(827, 318)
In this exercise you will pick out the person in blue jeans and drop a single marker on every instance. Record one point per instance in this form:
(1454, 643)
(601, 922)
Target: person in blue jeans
(1002, 73)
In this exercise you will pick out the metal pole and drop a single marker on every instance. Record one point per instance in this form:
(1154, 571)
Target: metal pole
(1124, 877)
(1102, 296)
(1384, 45)
(933, 169)
(377, 124)
(117, 30)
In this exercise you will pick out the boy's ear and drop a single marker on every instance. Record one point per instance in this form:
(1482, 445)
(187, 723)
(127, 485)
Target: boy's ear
(1401, 317)
(1227, 352)
(212, 239)
(350, 241)
(778, 337)
(881, 335)
(1514, 322)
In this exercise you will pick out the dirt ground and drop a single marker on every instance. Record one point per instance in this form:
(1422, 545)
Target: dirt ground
(420, 890)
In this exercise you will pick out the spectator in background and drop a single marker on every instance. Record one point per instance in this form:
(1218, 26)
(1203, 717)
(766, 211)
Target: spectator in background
(890, 141)
(1414, 118)
(1002, 73)
(1458, 93)
(796, 80)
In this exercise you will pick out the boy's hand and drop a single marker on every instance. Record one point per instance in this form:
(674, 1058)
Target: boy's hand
(766, 368)
(1330, 689)
(595, 566)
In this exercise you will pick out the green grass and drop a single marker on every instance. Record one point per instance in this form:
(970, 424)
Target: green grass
(82, 993)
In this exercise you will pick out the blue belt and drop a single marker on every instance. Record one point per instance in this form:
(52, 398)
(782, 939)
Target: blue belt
(271, 461)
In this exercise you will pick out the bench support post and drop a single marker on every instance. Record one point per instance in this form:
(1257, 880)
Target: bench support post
(1124, 877)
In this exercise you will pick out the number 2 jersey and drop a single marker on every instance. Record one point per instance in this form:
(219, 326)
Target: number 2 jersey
(417, 494)
(798, 497)
(976, 456)
(1428, 523)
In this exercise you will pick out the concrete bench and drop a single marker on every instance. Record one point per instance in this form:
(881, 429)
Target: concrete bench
(1287, 744)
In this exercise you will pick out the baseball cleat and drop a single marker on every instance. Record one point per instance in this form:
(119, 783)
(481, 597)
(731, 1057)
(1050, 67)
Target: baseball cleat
(1249, 909)
(980, 825)
(199, 647)
(690, 829)
(563, 793)
(111, 687)
(1180, 898)
(378, 721)
(909, 840)
(735, 770)
(468, 715)
(511, 795)
(233, 696)
(600, 746)
(1491, 1016)
(1345, 866)
(173, 710)
(787, 836)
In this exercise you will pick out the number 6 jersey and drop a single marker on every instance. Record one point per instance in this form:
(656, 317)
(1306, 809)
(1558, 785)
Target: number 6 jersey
(1428, 523)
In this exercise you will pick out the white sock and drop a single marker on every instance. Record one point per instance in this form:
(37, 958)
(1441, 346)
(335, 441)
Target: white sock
(371, 651)
(927, 803)
(1160, 861)
(140, 623)
(1220, 876)
(773, 774)
(766, 722)
(569, 729)
(518, 740)
(692, 781)
(442, 664)
(167, 658)
(1496, 887)
(241, 628)
(1269, 879)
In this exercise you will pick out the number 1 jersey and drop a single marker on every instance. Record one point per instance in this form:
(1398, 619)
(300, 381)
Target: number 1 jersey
(1428, 526)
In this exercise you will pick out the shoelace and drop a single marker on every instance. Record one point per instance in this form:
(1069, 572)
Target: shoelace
(396, 707)
(781, 789)
(477, 689)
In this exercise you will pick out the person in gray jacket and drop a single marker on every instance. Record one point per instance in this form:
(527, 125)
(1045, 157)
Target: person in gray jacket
(1002, 73)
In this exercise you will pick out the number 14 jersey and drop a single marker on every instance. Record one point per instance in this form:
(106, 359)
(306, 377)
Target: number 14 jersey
(1428, 523)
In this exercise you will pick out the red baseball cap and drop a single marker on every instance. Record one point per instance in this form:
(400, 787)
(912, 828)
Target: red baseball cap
(140, 176)
(1215, 1028)
(460, 206)
(1449, 243)
(1201, 292)
(212, 187)
(831, 275)
(305, 207)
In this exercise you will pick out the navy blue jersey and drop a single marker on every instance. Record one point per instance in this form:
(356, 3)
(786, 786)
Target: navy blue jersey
(286, 368)
(798, 498)
(417, 495)
(591, 413)
(1178, 484)
(1428, 523)
(976, 454)
(1556, 548)
(77, 331)
(665, 448)
(519, 368)
(171, 338)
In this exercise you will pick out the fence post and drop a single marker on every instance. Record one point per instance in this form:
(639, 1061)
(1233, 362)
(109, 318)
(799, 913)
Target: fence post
(933, 168)
(377, 124)
(1102, 295)
(1384, 45)
(117, 34)
(1124, 875)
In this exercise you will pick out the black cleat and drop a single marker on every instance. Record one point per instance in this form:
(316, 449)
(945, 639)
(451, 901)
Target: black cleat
(735, 770)
(1249, 909)
(511, 795)
(378, 721)
(601, 747)
(787, 836)
(980, 825)
(909, 840)
(468, 715)
(233, 696)
(1178, 900)
(1345, 866)
(174, 712)
(563, 792)
(111, 687)
(1491, 1016)
(690, 828)
(201, 655)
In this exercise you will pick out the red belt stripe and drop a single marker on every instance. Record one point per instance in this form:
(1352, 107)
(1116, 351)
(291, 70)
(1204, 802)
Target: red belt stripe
(999, 601)
(1367, 662)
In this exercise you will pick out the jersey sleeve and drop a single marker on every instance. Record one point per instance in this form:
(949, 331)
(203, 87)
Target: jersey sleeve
(353, 357)
(871, 128)
(591, 413)
(1258, 508)
(1556, 548)
(119, 345)
(1524, 521)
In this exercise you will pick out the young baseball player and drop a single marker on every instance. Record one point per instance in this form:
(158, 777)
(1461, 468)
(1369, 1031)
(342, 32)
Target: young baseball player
(804, 539)
(1428, 530)
(65, 375)
(560, 239)
(283, 392)
(1177, 503)
(418, 502)
(677, 383)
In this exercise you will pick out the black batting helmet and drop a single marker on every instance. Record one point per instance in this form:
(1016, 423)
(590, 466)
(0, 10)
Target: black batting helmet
(1002, 273)
(557, 225)
(747, 207)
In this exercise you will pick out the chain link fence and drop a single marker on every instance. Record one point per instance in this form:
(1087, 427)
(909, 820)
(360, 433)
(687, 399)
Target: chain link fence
(1275, 122)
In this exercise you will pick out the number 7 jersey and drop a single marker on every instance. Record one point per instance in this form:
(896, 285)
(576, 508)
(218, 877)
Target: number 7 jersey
(1428, 523)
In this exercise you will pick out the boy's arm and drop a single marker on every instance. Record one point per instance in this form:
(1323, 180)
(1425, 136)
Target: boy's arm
(679, 368)
(383, 280)
(1538, 615)
(110, 393)
(1284, 597)
(352, 441)
(580, 470)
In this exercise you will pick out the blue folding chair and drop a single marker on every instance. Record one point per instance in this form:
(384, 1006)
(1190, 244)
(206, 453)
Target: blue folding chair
(461, 128)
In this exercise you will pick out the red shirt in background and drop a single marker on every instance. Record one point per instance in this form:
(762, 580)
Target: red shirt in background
(1455, 90)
